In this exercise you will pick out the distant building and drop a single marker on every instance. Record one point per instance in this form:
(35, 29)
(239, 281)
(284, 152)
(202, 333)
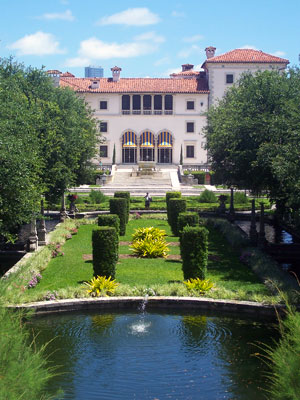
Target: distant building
(155, 119)
(93, 72)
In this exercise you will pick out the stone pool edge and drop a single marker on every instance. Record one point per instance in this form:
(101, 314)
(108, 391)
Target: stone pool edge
(152, 303)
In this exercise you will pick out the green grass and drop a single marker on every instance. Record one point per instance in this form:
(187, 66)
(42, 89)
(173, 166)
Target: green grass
(65, 274)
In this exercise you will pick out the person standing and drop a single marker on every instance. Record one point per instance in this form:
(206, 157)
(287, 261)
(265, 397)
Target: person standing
(148, 199)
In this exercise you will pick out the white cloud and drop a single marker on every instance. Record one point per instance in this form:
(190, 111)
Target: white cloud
(65, 16)
(193, 39)
(95, 49)
(38, 44)
(178, 14)
(194, 49)
(279, 53)
(162, 61)
(150, 36)
(132, 16)
(171, 71)
(248, 46)
(77, 62)
(198, 67)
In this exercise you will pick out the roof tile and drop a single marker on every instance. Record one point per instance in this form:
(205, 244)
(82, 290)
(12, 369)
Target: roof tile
(137, 85)
(246, 56)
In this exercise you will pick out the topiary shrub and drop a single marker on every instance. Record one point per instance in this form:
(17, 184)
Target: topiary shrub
(194, 251)
(171, 195)
(110, 220)
(207, 197)
(187, 218)
(124, 195)
(176, 206)
(118, 206)
(105, 243)
(96, 197)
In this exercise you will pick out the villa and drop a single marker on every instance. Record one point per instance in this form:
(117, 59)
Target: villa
(160, 120)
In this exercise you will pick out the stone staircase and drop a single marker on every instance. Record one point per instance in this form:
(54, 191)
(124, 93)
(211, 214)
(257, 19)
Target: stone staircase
(125, 179)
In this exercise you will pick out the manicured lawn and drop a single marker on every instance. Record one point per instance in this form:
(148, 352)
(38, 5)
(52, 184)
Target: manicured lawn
(232, 279)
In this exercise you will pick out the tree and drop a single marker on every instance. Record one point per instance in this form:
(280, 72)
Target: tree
(20, 185)
(47, 140)
(253, 135)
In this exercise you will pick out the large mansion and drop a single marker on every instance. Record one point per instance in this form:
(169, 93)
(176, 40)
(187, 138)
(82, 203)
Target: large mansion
(160, 119)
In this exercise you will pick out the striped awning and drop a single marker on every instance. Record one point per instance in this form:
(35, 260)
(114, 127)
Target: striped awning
(147, 139)
(129, 139)
(165, 139)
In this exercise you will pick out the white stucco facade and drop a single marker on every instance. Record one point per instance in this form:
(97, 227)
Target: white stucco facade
(155, 119)
(175, 123)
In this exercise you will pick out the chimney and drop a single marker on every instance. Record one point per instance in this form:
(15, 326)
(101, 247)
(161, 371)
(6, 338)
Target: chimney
(95, 84)
(116, 73)
(210, 52)
(55, 76)
(187, 67)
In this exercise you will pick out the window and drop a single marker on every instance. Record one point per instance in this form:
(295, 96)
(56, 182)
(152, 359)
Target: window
(103, 127)
(103, 105)
(190, 127)
(190, 105)
(157, 102)
(126, 102)
(147, 102)
(103, 151)
(229, 78)
(168, 102)
(190, 151)
(136, 102)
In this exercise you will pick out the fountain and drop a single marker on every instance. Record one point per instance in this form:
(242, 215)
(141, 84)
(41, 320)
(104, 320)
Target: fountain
(154, 355)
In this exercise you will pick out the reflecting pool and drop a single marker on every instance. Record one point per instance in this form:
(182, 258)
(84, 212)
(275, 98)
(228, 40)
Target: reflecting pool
(155, 356)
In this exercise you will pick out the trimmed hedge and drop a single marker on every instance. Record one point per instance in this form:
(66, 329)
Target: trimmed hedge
(176, 206)
(124, 195)
(110, 220)
(194, 251)
(105, 251)
(118, 206)
(171, 195)
(207, 196)
(187, 218)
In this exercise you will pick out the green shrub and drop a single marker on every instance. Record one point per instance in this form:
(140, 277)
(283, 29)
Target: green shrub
(96, 197)
(124, 195)
(187, 218)
(105, 251)
(201, 286)
(149, 242)
(118, 206)
(143, 233)
(171, 195)
(23, 368)
(176, 206)
(101, 286)
(285, 360)
(109, 220)
(208, 197)
(150, 248)
(194, 252)
(240, 198)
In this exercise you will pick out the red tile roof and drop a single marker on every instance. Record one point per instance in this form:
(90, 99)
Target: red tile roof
(67, 74)
(189, 72)
(137, 85)
(246, 56)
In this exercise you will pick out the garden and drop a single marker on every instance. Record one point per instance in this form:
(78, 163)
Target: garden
(145, 254)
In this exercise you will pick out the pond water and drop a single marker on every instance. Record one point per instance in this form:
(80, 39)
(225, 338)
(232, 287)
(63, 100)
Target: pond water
(274, 234)
(186, 356)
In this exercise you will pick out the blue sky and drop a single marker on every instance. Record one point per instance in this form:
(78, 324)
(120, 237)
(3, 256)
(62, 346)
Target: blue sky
(144, 38)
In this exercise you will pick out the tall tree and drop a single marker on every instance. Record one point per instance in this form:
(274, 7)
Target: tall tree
(47, 140)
